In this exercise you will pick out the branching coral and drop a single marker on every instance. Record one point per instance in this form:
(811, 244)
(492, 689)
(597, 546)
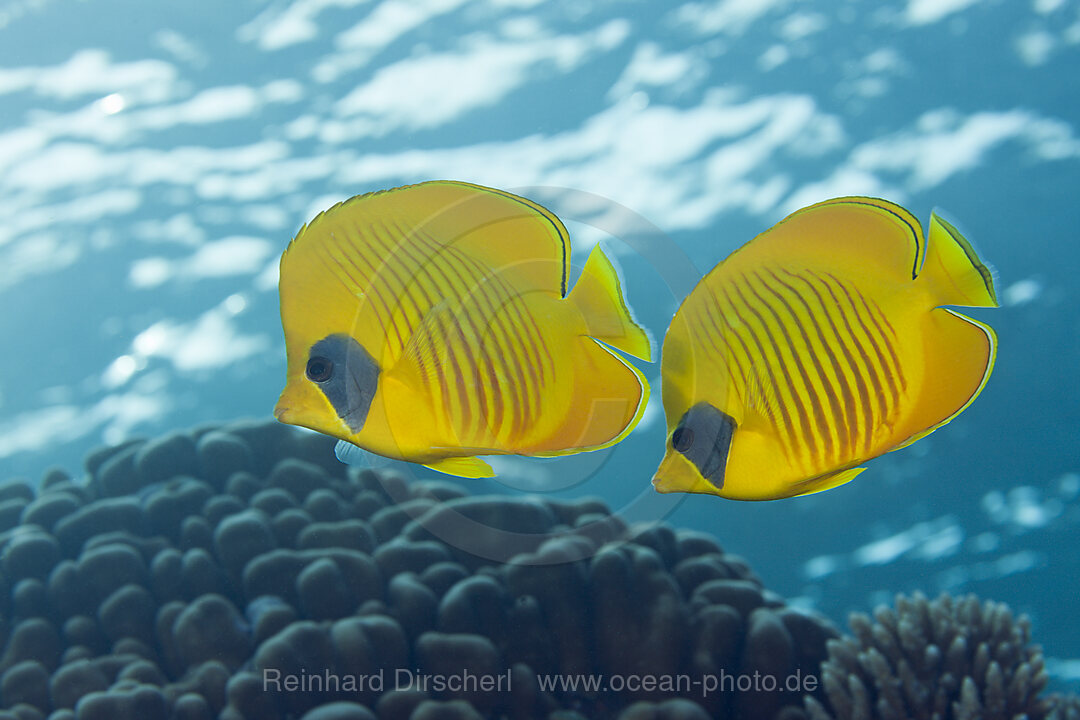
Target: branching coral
(950, 658)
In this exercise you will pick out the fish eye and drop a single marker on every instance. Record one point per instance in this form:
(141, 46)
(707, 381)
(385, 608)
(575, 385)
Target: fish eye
(682, 439)
(320, 369)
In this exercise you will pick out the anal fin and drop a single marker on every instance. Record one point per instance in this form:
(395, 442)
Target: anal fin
(828, 482)
(466, 467)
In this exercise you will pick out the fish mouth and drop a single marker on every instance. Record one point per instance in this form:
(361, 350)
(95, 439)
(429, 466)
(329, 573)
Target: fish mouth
(662, 480)
(677, 474)
(288, 406)
(283, 413)
(660, 483)
(665, 482)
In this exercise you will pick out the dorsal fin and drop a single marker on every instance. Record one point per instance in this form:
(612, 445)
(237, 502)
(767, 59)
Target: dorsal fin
(360, 266)
(856, 234)
(494, 227)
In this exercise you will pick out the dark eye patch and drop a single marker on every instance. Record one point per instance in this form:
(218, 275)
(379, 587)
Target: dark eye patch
(703, 436)
(346, 374)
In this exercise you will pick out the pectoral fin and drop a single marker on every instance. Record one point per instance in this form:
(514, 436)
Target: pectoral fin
(426, 350)
(350, 454)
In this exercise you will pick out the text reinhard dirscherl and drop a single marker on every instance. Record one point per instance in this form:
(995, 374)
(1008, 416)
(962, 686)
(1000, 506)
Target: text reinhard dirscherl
(470, 682)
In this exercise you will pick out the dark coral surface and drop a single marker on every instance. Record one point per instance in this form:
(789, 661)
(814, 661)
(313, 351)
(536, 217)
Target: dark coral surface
(242, 572)
(198, 574)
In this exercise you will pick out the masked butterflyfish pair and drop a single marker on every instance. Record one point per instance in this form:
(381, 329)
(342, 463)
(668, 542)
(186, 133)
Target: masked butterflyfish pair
(433, 324)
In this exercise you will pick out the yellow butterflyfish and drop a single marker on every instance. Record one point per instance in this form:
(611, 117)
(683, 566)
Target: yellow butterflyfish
(818, 345)
(432, 323)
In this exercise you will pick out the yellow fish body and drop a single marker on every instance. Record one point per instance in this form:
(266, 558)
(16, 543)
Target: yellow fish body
(431, 323)
(821, 344)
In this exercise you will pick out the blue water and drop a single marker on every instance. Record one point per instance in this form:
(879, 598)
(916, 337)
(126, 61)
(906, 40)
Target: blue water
(155, 158)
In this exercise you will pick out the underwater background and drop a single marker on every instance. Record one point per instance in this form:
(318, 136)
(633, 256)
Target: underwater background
(156, 158)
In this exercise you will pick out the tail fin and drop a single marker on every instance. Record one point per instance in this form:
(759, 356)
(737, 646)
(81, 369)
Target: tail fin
(952, 264)
(598, 297)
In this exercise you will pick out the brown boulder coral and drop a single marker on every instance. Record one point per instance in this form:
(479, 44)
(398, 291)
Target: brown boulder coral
(185, 574)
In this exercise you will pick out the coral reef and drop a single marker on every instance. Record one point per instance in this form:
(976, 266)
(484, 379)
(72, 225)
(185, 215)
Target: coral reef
(946, 658)
(242, 572)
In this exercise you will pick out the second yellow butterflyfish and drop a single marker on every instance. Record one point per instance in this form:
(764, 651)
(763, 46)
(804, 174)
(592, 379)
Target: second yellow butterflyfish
(818, 345)
(433, 323)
